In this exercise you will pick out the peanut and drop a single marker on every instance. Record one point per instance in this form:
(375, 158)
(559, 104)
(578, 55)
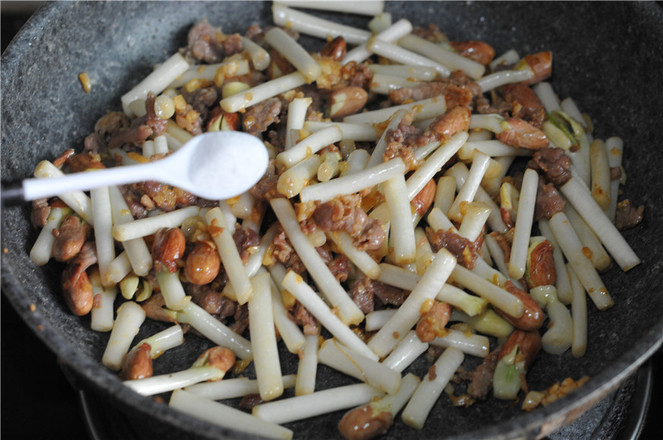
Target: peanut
(137, 364)
(168, 247)
(335, 49)
(529, 344)
(202, 264)
(77, 290)
(432, 323)
(532, 317)
(71, 236)
(542, 266)
(346, 101)
(365, 422)
(424, 198)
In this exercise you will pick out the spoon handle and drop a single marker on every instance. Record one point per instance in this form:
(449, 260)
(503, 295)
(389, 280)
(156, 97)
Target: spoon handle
(37, 188)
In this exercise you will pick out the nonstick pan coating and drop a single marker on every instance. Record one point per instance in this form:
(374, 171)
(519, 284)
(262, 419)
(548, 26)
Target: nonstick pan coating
(606, 57)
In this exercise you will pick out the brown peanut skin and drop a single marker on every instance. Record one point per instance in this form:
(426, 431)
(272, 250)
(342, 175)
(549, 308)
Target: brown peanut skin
(168, 247)
(478, 51)
(137, 364)
(362, 424)
(532, 317)
(541, 65)
(77, 290)
(542, 266)
(219, 357)
(355, 100)
(424, 198)
(454, 121)
(335, 49)
(528, 342)
(70, 239)
(202, 264)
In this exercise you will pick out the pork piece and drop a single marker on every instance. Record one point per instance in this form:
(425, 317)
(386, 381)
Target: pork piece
(554, 164)
(432, 323)
(84, 161)
(430, 33)
(241, 319)
(249, 401)
(482, 376)
(134, 135)
(40, 212)
(628, 216)
(504, 241)
(284, 252)
(258, 117)
(157, 124)
(310, 325)
(265, 188)
(345, 214)
(155, 308)
(496, 104)
(208, 44)
(202, 100)
(211, 300)
(526, 105)
(458, 90)
(364, 291)
(76, 286)
(133, 201)
(71, 236)
(548, 201)
(465, 251)
(246, 239)
(111, 123)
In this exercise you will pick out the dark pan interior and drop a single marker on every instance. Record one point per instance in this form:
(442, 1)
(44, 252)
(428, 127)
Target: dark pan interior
(607, 57)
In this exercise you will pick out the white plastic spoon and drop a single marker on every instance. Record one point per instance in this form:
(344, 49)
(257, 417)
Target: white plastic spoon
(216, 166)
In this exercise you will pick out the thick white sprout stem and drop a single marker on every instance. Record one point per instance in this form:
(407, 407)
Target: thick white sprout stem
(445, 193)
(419, 73)
(307, 367)
(349, 130)
(578, 314)
(368, 7)
(507, 58)
(615, 148)
(406, 351)
(402, 229)
(42, 249)
(101, 209)
(347, 310)
(440, 222)
(469, 189)
(294, 284)
(547, 96)
(424, 109)
(364, 262)
(470, 304)
(296, 118)
(172, 289)
(215, 330)
(162, 383)
(409, 312)
(78, 201)
(589, 210)
(354, 364)
(225, 416)
(489, 273)
(137, 251)
(495, 295)
(584, 269)
(376, 319)
(431, 387)
(487, 323)
(227, 249)
(263, 91)
(263, 339)
(317, 27)
(472, 344)
(523, 227)
(103, 312)
(232, 67)
(392, 33)
(592, 246)
(292, 181)
(382, 84)
(492, 185)
(381, 145)
(242, 206)
(425, 255)
(398, 277)
(164, 340)
(476, 214)
(329, 167)
(400, 55)
(393, 403)
(559, 336)
(312, 144)
(315, 404)
(562, 282)
(491, 148)
(118, 268)
(259, 56)
(292, 51)
(156, 82)
(150, 225)
(569, 107)
(498, 79)
(438, 53)
(353, 183)
(434, 164)
(600, 173)
(130, 317)
(491, 122)
(232, 388)
(290, 332)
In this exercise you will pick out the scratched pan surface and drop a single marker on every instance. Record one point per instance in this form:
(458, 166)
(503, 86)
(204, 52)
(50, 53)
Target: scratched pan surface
(606, 57)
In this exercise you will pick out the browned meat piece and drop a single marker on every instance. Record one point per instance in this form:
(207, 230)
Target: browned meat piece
(522, 134)
(111, 123)
(241, 319)
(465, 251)
(94, 143)
(430, 33)
(345, 214)
(526, 105)
(457, 89)
(310, 325)
(246, 239)
(40, 212)
(84, 161)
(496, 104)
(249, 401)
(554, 163)
(432, 323)
(232, 44)
(285, 253)
(187, 117)
(258, 117)
(137, 364)
(157, 124)
(136, 134)
(478, 51)
(548, 201)
(265, 189)
(202, 100)
(155, 309)
(452, 122)
(70, 238)
(211, 300)
(340, 267)
(205, 43)
(357, 75)
(76, 286)
(628, 216)
(365, 290)
(482, 376)
(133, 202)
(162, 196)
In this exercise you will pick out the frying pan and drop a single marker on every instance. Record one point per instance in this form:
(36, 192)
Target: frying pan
(606, 57)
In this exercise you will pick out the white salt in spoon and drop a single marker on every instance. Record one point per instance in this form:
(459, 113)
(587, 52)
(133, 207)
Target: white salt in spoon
(215, 166)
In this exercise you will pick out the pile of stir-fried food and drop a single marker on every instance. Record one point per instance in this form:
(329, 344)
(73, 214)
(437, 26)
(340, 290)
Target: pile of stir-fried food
(388, 226)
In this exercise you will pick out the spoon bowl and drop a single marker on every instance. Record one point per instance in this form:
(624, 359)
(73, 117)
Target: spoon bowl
(214, 165)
